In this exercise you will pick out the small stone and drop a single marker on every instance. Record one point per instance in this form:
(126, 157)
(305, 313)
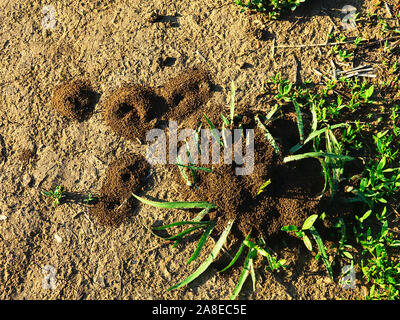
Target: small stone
(27, 180)
(58, 238)
(3, 217)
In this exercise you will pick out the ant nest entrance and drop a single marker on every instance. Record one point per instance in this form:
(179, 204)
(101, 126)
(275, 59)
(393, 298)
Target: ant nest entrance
(132, 110)
(74, 100)
(124, 176)
(290, 194)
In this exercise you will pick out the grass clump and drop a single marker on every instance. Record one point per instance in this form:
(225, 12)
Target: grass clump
(274, 8)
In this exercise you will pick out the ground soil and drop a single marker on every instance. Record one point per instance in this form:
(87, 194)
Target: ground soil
(112, 43)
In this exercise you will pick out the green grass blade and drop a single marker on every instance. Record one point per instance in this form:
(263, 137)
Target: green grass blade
(201, 214)
(213, 130)
(328, 178)
(243, 275)
(314, 118)
(198, 218)
(322, 250)
(183, 173)
(214, 253)
(176, 205)
(270, 114)
(202, 241)
(299, 120)
(264, 185)
(315, 134)
(268, 136)
(309, 222)
(252, 274)
(194, 167)
(237, 255)
(224, 120)
(185, 232)
(317, 155)
(181, 223)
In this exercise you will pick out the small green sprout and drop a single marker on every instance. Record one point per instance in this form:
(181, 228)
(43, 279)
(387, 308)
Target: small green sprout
(57, 195)
(309, 225)
(90, 199)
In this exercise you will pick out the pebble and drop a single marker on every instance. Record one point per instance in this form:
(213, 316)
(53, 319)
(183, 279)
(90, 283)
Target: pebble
(58, 238)
(27, 180)
(3, 217)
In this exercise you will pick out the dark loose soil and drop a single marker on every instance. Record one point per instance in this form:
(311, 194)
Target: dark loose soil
(123, 176)
(132, 110)
(74, 100)
(293, 194)
(186, 92)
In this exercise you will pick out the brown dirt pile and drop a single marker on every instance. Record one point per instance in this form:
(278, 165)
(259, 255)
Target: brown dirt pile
(186, 92)
(132, 110)
(290, 198)
(123, 176)
(74, 99)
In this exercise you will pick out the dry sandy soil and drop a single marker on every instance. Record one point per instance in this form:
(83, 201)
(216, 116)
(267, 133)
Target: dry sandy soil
(109, 43)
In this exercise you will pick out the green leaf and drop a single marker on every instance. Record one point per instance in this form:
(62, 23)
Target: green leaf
(202, 242)
(268, 135)
(194, 167)
(237, 255)
(289, 228)
(316, 155)
(214, 253)
(213, 131)
(185, 232)
(309, 222)
(315, 134)
(307, 242)
(176, 205)
(225, 120)
(348, 255)
(264, 185)
(321, 249)
(244, 274)
(369, 92)
(299, 120)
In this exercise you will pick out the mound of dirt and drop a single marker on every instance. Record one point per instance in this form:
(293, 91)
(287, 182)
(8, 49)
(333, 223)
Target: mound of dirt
(186, 92)
(292, 195)
(132, 110)
(123, 176)
(74, 99)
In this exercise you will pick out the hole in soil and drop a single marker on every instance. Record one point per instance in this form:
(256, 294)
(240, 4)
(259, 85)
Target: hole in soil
(112, 205)
(178, 98)
(123, 109)
(75, 102)
(125, 177)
